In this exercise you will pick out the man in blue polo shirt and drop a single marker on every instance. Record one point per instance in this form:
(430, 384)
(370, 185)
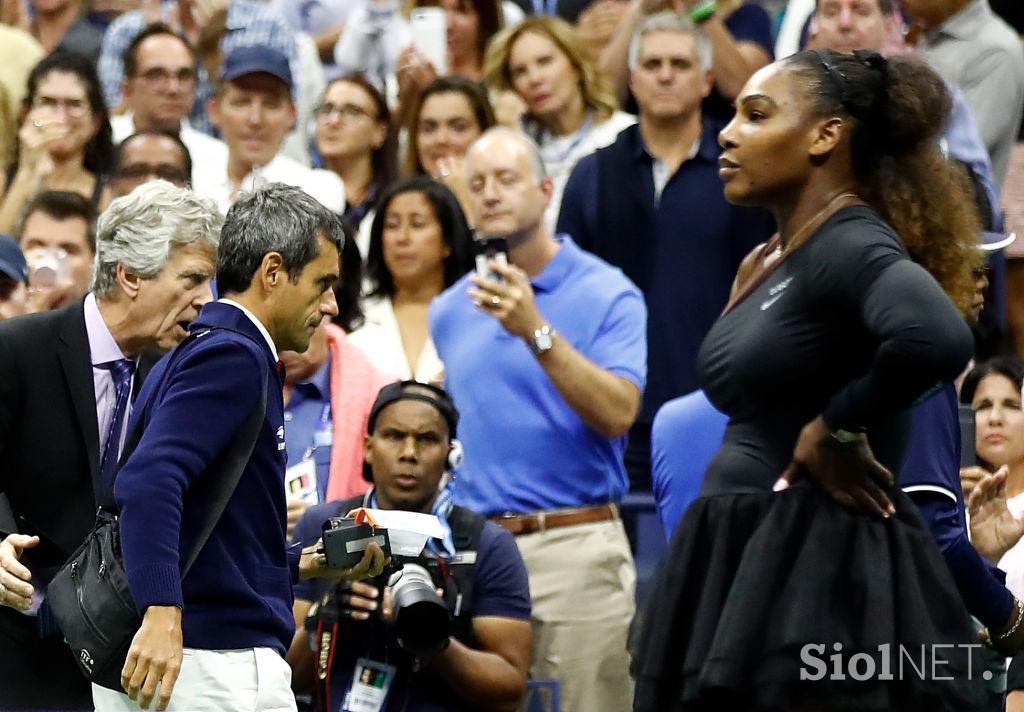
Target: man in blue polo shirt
(652, 205)
(547, 364)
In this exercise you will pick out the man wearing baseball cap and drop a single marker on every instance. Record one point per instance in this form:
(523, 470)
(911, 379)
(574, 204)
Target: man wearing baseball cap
(410, 451)
(13, 279)
(254, 111)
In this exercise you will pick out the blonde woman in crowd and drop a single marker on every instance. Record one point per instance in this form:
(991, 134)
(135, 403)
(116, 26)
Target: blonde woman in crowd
(567, 106)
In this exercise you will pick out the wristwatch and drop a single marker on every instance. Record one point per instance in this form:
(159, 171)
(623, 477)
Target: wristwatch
(543, 339)
(845, 436)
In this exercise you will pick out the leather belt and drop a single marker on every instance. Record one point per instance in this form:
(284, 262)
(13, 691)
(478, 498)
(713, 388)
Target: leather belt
(532, 522)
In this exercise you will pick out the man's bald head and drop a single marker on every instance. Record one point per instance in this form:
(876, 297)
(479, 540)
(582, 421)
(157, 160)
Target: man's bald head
(506, 136)
(508, 186)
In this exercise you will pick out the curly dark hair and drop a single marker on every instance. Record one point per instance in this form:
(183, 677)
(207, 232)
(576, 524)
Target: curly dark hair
(899, 107)
(1009, 367)
(99, 152)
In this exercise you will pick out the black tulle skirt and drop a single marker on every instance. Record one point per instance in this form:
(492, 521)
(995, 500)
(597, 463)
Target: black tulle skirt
(750, 580)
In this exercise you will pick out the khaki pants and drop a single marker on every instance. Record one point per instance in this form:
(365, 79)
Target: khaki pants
(582, 582)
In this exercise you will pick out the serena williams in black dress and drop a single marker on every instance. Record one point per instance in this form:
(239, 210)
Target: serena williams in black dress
(833, 332)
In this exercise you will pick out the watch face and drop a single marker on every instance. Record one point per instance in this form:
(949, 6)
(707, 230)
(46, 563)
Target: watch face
(542, 343)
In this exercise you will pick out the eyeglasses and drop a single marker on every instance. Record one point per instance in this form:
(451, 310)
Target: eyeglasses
(159, 75)
(74, 108)
(163, 171)
(345, 111)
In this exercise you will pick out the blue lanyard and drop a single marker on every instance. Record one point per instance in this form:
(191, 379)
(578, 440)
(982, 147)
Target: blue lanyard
(442, 507)
(545, 7)
(577, 139)
(323, 425)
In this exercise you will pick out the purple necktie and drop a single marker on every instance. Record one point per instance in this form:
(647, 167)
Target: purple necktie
(121, 370)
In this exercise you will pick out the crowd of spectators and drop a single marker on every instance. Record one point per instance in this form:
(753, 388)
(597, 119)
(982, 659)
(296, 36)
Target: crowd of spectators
(585, 132)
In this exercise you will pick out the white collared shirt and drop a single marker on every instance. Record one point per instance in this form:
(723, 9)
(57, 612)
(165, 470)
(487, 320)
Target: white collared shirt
(326, 187)
(257, 322)
(205, 151)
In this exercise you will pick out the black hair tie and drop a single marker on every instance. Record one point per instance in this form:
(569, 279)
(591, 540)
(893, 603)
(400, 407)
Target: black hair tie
(834, 73)
(872, 58)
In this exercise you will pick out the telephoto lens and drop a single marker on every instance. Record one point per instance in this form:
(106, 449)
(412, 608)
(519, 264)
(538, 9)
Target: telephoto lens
(422, 620)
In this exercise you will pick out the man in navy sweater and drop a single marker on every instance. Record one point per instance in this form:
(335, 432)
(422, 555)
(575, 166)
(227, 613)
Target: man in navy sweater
(217, 638)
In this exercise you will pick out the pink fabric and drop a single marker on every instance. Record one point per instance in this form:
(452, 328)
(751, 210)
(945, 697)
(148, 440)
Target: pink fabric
(355, 383)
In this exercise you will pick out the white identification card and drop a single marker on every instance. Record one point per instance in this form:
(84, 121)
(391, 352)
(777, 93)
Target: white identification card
(300, 481)
(370, 684)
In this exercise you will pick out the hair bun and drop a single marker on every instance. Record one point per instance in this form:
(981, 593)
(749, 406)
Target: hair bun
(871, 58)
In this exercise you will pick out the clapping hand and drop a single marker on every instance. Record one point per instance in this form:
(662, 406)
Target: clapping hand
(970, 477)
(414, 73)
(599, 21)
(994, 529)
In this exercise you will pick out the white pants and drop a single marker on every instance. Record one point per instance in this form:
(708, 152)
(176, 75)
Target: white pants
(254, 680)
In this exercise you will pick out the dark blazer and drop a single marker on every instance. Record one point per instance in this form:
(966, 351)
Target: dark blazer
(49, 439)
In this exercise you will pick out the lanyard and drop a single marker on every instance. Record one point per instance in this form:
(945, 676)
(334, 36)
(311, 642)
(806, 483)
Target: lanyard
(442, 507)
(581, 134)
(324, 424)
(545, 7)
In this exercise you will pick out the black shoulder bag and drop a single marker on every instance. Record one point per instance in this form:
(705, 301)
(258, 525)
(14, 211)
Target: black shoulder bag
(89, 596)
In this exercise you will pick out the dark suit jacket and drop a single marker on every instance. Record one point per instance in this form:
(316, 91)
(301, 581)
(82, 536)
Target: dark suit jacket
(49, 439)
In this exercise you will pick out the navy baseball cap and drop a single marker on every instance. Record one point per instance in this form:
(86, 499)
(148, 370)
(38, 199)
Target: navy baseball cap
(12, 261)
(256, 59)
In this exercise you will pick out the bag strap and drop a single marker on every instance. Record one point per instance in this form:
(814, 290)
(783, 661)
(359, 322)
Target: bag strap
(222, 477)
(104, 492)
(218, 482)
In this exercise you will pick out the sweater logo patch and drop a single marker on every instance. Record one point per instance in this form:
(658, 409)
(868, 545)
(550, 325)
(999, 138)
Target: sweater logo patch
(280, 438)
(775, 293)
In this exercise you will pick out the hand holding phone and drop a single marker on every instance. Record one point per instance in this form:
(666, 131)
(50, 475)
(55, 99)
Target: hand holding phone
(490, 248)
(430, 36)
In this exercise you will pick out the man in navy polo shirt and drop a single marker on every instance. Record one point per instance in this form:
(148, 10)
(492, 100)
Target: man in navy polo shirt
(547, 364)
(652, 205)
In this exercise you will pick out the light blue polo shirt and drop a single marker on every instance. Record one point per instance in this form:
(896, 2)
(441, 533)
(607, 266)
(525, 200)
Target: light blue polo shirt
(525, 448)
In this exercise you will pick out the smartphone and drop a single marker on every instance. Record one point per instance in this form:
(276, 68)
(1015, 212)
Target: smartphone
(490, 248)
(430, 36)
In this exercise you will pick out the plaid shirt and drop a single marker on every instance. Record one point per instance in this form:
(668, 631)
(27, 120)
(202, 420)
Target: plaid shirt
(249, 23)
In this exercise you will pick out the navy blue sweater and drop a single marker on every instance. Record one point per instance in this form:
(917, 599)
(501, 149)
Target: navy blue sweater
(930, 474)
(238, 593)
